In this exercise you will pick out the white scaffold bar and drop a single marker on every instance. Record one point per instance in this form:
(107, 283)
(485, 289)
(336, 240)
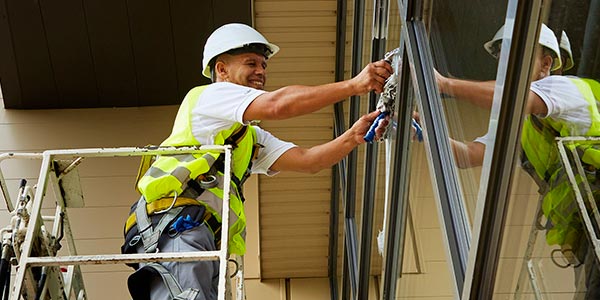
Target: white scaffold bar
(46, 177)
(121, 258)
(583, 208)
(223, 289)
(3, 187)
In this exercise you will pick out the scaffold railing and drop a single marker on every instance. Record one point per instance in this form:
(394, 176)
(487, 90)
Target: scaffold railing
(32, 244)
(578, 177)
(583, 192)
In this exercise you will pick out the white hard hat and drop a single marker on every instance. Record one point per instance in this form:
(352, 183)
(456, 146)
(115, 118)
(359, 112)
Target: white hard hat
(566, 45)
(229, 37)
(547, 39)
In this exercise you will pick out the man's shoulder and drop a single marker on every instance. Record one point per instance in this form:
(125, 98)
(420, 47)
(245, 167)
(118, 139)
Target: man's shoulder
(557, 85)
(554, 79)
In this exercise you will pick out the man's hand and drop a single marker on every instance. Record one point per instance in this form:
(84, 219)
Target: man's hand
(323, 156)
(441, 81)
(360, 127)
(372, 77)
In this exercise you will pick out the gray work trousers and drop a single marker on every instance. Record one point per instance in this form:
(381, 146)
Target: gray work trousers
(587, 275)
(200, 275)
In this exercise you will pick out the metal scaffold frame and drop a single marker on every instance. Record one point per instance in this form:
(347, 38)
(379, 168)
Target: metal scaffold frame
(586, 203)
(72, 280)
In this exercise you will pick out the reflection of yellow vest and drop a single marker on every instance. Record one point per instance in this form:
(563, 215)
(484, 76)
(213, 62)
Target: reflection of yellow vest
(168, 176)
(538, 142)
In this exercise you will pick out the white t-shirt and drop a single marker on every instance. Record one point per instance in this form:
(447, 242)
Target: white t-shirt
(220, 106)
(564, 102)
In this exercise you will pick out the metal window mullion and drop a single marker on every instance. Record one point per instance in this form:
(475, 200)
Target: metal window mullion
(338, 171)
(490, 219)
(332, 261)
(350, 244)
(380, 12)
(453, 216)
(398, 202)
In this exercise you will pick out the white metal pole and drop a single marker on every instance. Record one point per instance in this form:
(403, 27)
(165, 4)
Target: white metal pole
(225, 226)
(32, 227)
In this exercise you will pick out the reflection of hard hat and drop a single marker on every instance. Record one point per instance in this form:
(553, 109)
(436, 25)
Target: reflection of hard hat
(233, 36)
(547, 39)
(566, 45)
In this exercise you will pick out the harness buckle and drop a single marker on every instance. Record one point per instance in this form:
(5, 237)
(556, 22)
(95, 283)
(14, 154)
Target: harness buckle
(208, 181)
(136, 239)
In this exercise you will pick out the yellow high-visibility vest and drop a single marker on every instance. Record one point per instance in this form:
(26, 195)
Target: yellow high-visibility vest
(538, 142)
(169, 175)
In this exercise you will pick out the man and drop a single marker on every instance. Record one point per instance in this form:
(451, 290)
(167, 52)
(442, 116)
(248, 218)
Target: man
(556, 106)
(224, 112)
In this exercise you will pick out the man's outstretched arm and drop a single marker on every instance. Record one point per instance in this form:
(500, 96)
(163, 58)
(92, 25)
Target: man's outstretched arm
(296, 100)
(323, 156)
(481, 93)
(467, 155)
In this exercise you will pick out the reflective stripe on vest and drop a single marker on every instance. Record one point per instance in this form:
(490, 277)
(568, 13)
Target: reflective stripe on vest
(169, 175)
(539, 145)
(561, 209)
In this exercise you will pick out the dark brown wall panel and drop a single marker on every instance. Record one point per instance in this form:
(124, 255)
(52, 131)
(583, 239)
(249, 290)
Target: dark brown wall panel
(31, 54)
(9, 73)
(69, 48)
(242, 12)
(110, 40)
(192, 24)
(104, 53)
(153, 52)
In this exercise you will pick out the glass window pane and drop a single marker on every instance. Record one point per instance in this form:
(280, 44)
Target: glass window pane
(547, 252)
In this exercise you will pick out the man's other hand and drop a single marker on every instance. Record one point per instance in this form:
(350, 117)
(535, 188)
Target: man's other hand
(372, 77)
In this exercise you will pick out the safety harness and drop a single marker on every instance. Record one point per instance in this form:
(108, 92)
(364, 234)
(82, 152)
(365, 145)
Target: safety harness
(152, 222)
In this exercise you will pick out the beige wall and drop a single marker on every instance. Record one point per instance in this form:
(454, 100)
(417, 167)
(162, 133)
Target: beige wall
(107, 183)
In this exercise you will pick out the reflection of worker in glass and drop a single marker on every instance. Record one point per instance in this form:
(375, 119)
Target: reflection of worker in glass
(556, 106)
(566, 55)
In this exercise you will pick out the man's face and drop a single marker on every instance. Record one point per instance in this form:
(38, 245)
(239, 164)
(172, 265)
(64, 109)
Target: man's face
(248, 69)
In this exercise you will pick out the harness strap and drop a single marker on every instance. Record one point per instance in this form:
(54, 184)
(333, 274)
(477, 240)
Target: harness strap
(150, 235)
(172, 284)
(236, 137)
(138, 283)
(219, 165)
(255, 149)
(162, 204)
(157, 206)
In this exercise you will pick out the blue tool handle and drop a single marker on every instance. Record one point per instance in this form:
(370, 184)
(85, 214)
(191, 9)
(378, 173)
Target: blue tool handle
(418, 129)
(370, 135)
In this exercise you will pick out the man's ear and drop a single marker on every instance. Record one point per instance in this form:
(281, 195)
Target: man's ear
(546, 64)
(221, 70)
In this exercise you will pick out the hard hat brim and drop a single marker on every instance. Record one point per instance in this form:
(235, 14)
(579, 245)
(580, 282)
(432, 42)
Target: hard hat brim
(274, 49)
